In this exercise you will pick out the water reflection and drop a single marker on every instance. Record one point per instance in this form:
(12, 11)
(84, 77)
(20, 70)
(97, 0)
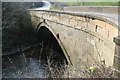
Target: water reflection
(40, 61)
(21, 67)
(45, 59)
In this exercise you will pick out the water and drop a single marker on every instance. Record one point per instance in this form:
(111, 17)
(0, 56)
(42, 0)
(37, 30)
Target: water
(33, 63)
(40, 61)
(20, 67)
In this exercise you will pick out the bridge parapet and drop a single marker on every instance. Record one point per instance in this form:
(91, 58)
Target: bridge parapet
(89, 23)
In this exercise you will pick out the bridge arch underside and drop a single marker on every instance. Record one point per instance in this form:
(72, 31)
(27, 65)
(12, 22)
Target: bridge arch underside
(52, 50)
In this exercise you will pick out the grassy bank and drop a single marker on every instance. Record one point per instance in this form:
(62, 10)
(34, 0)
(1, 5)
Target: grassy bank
(60, 5)
(92, 3)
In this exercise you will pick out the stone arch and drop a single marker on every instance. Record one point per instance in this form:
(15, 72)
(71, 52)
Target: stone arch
(45, 25)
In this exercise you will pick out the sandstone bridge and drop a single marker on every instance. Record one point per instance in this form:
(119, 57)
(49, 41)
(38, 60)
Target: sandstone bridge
(87, 37)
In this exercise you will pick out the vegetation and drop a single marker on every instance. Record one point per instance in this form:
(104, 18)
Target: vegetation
(53, 7)
(92, 3)
(60, 5)
(17, 29)
(83, 71)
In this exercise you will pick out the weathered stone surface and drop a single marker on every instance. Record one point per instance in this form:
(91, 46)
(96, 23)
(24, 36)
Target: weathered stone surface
(81, 38)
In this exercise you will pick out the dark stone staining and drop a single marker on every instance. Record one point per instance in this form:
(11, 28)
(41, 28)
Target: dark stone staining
(57, 35)
(70, 33)
(96, 27)
(116, 40)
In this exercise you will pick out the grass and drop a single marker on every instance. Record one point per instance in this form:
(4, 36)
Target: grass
(53, 7)
(89, 1)
(92, 3)
(75, 3)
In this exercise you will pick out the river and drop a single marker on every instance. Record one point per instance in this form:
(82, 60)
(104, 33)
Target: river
(18, 66)
(40, 61)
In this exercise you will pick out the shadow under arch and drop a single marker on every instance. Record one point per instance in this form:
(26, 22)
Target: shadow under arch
(48, 35)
